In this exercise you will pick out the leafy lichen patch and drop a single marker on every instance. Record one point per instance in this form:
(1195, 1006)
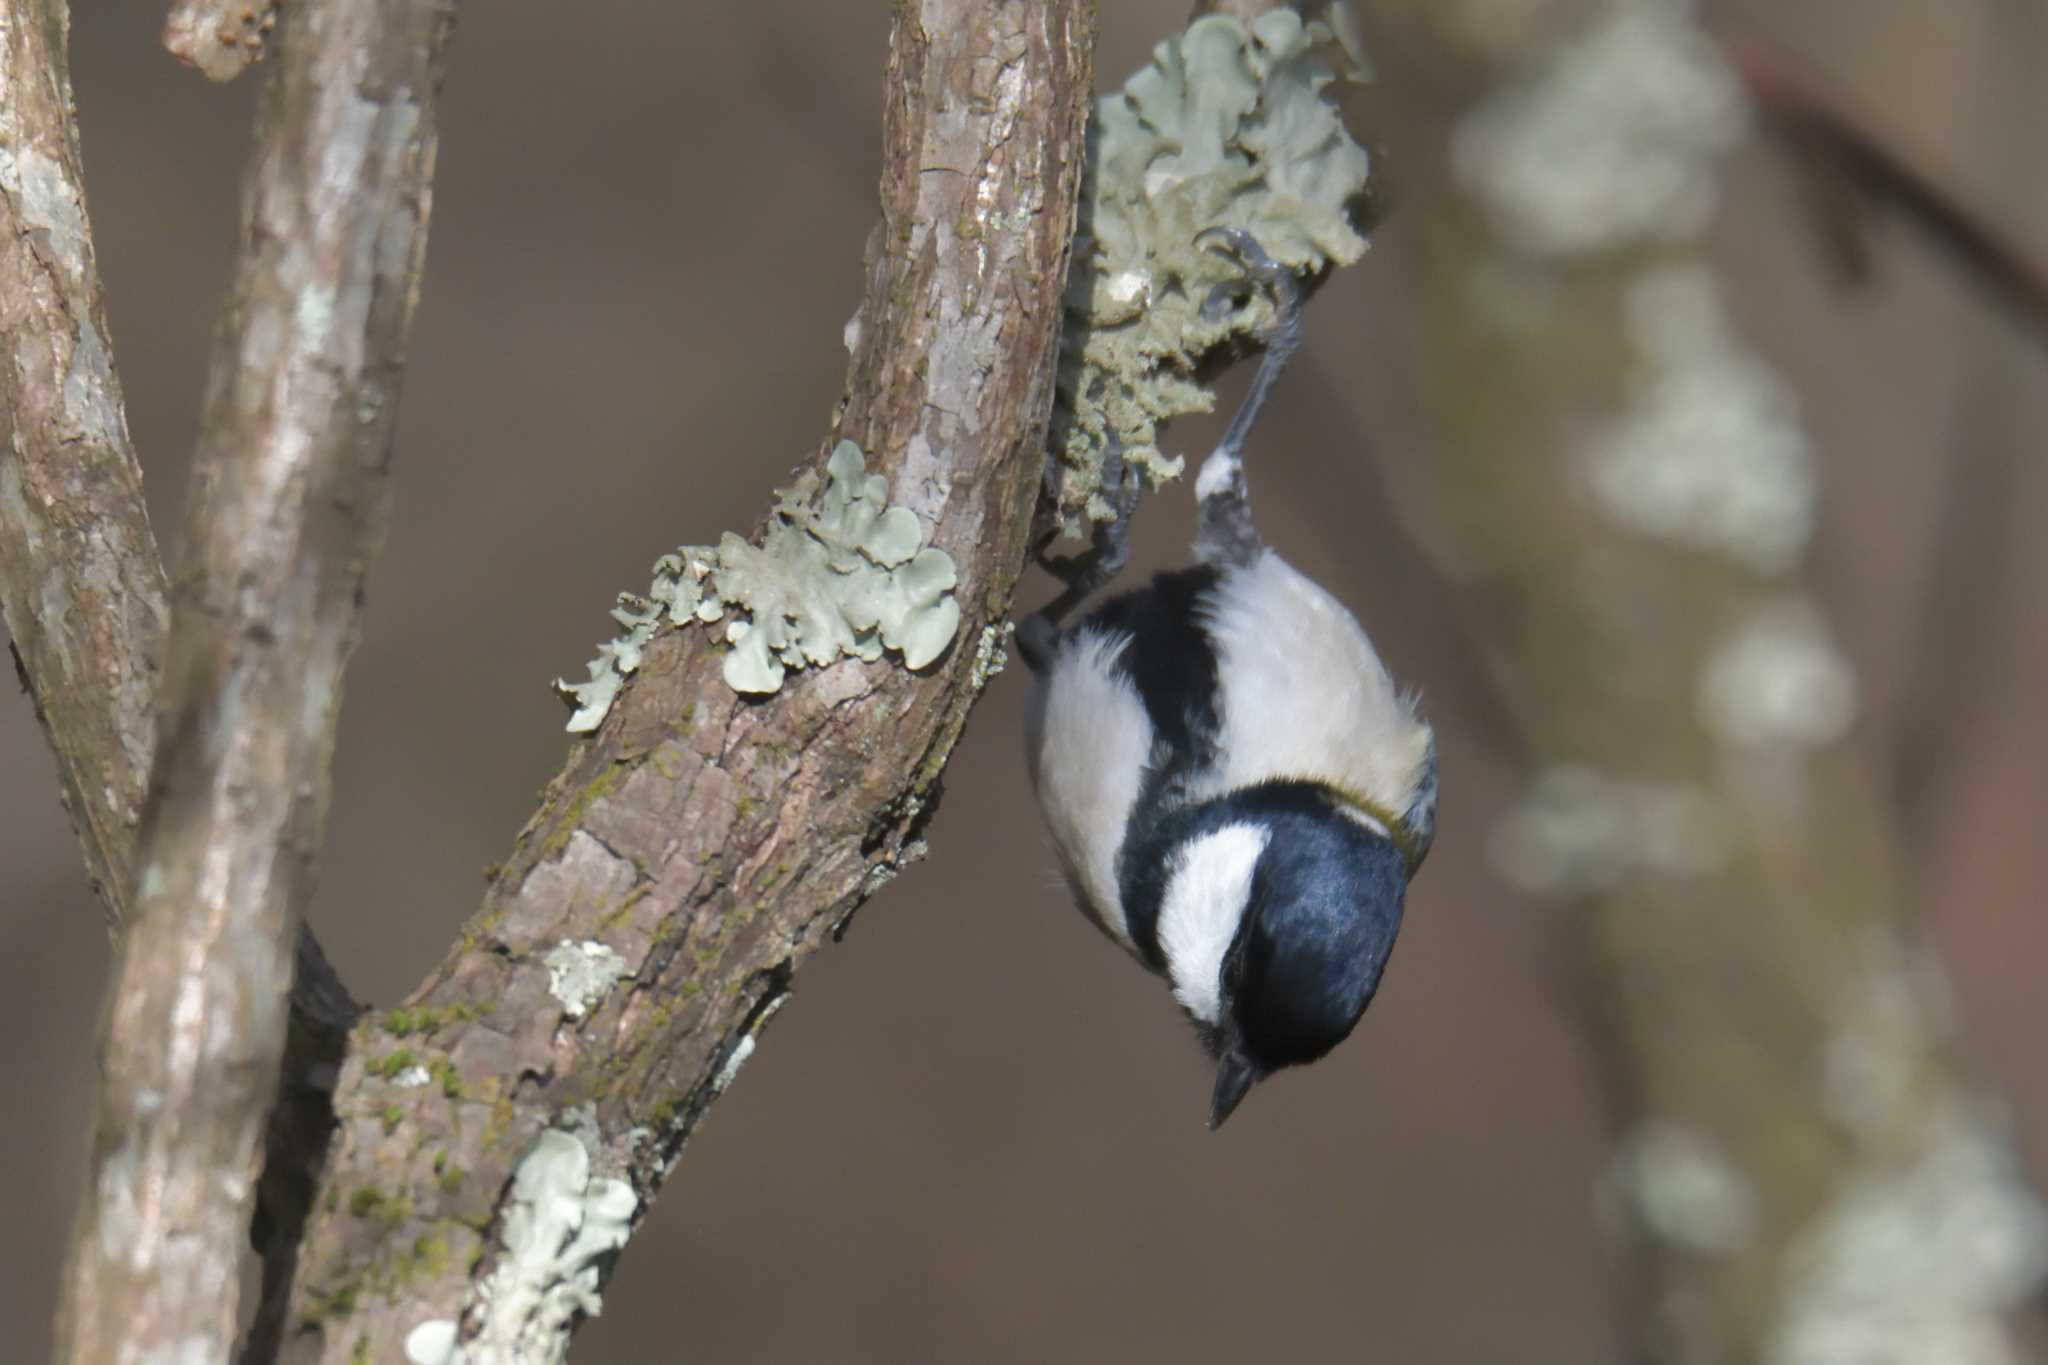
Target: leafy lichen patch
(1228, 126)
(580, 975)
(559, 1227)
(839, 573)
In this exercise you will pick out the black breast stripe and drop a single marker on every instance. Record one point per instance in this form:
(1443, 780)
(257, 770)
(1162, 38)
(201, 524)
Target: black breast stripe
(1172, 663)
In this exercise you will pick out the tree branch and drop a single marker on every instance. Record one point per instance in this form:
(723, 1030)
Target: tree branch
(711, 843)
(1624, 491)
(1837, 138)
(286, 516)
(81, 583)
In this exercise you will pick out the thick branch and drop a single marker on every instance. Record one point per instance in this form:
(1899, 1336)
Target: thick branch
(1624, 493)
(709, 842)
(81, 583)
(287, 514)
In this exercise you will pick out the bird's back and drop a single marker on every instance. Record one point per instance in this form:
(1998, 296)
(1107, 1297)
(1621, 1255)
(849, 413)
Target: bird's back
(1205, 682)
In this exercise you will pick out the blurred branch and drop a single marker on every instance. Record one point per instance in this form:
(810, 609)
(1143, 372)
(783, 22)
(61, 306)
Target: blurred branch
(1954, 669)
(81, 582)
(287, 513)
(1840, 140)
(499, 1131)
(1622, 494)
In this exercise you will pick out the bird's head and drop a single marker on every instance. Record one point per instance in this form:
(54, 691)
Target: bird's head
(1314, 895)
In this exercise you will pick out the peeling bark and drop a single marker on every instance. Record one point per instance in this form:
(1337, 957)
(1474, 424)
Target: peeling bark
(712, 842)
(287, 514)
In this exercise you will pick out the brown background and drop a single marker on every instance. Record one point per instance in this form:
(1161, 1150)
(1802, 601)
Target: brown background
(976, 1132)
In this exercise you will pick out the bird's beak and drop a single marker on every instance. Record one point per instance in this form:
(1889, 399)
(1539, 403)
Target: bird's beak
(1234, 1077)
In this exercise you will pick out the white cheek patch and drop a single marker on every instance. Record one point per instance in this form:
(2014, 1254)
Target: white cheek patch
(1304, 693)
(1208, 884)
(1089, 744)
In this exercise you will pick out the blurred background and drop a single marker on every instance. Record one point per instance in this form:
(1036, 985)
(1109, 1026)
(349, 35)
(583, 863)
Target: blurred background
(976, 1132)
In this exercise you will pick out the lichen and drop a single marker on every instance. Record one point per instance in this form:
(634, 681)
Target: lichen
(1935, 1236)
(1779, 682)
(1227, 127)
(1577, 831)
(839, 573)
(1710, 451)
(1920, 1262)
(990, 654)
(560, 1226)
(1677, 1186)
(1616, 141)
(581, 974)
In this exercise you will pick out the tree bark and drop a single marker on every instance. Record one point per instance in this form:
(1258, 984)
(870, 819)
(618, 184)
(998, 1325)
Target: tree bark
(713, 842)
(81, 583)
(286, 517)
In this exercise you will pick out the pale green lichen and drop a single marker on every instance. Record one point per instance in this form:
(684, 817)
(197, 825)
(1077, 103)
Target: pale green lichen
(839, 573)
(561, 1227)
(580, 975)
(1227, 127)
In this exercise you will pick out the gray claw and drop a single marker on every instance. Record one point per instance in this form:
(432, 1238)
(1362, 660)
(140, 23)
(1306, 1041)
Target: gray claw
(1259, 268)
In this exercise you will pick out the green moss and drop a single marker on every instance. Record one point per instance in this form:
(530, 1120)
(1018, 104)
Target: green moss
(499, 1124)
(667, 759)
(429, 1256)
(615, 919)
(663, 1116)
(393, 1268)
(359, 1354)
(571, 818)
(391, 1117)
(325, 1302)
(450, 1180)
(429, 1020)
(388, 1067)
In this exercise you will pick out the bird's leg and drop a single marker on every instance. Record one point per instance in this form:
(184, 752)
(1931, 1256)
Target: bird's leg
(1223, 526)
(1083, 574)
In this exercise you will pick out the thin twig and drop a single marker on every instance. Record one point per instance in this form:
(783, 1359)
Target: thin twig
(707, 843)
(1842, 139)
(287, 513)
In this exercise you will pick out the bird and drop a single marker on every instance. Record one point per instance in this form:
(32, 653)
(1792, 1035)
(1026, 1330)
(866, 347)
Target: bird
(1237, 792)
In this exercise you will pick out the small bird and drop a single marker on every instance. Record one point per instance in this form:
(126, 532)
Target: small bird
(1237, 791)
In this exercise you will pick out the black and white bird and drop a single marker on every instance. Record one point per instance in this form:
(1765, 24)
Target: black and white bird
(1237, 791)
